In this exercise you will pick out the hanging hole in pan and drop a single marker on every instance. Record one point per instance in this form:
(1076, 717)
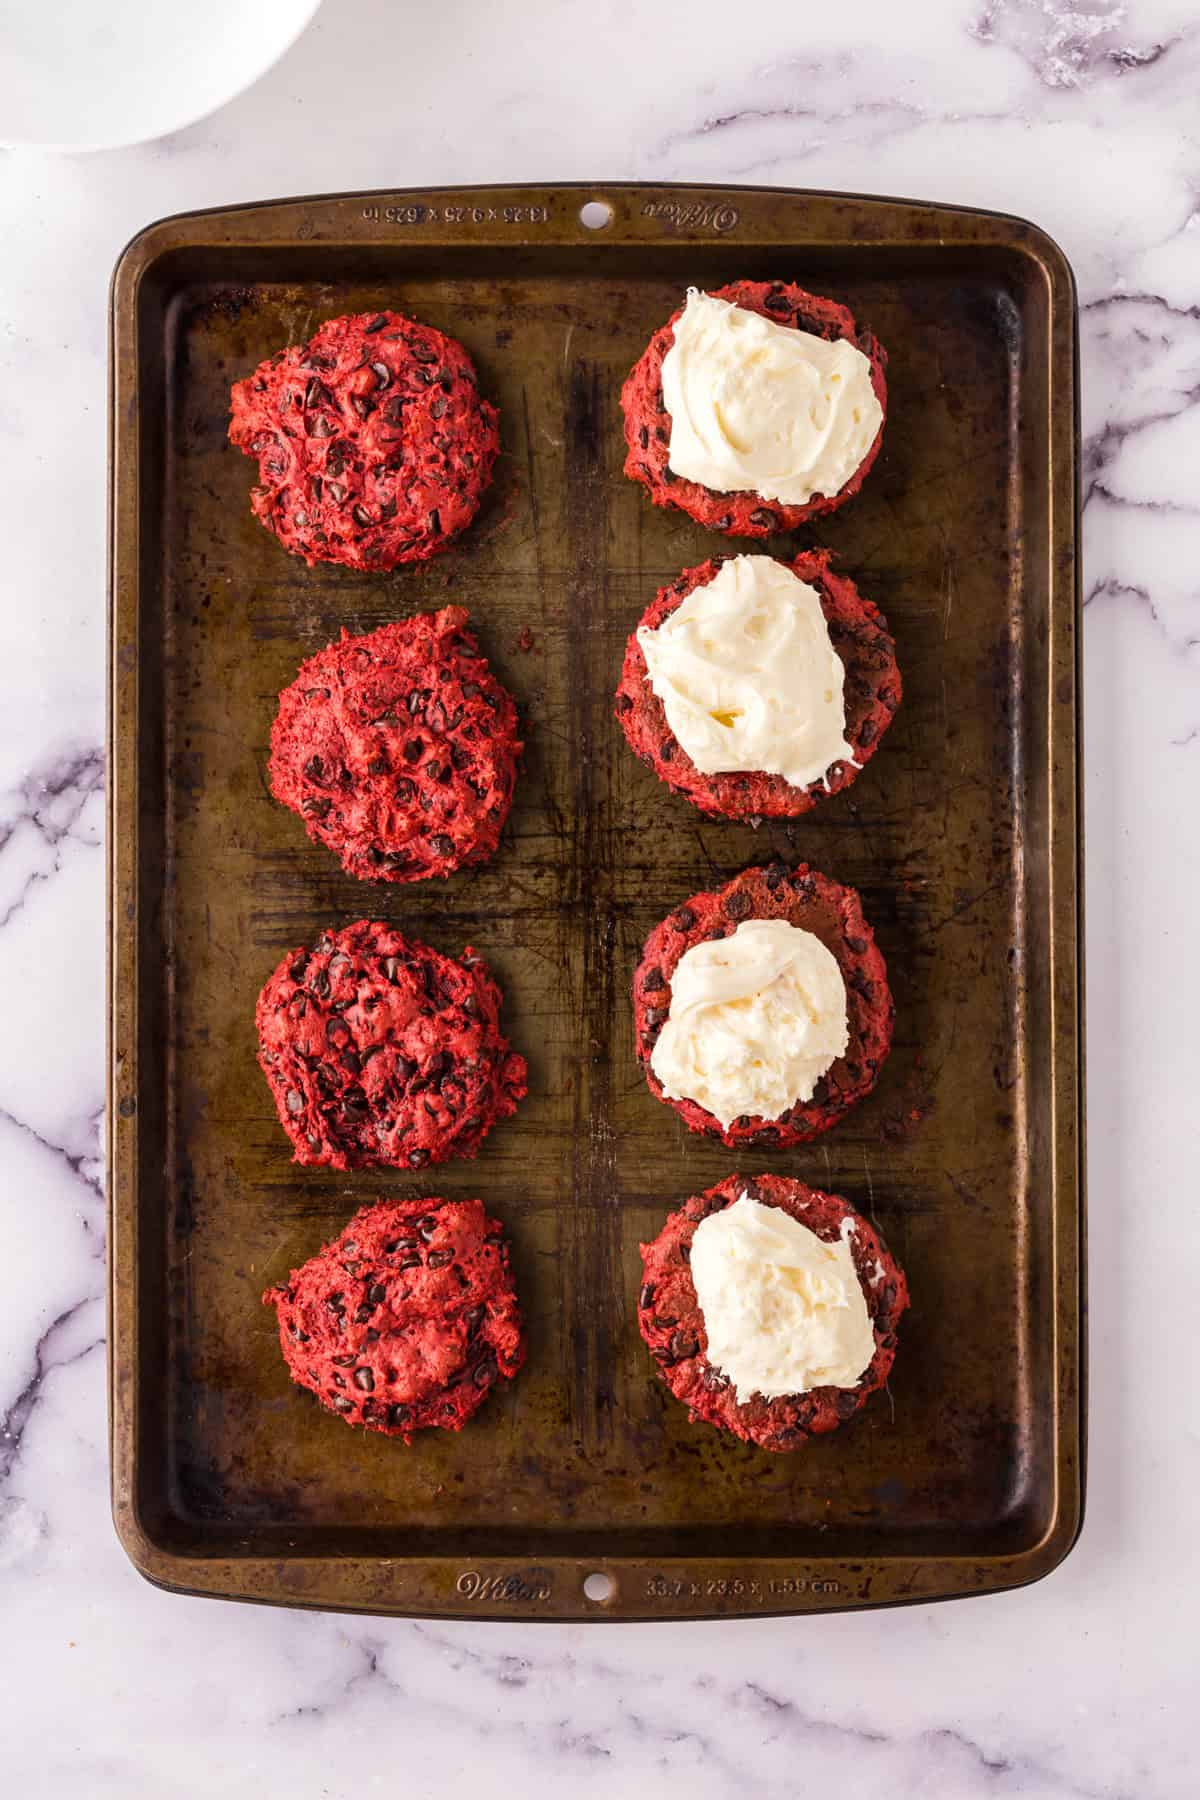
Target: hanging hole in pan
(599, 1587)
(595, 214)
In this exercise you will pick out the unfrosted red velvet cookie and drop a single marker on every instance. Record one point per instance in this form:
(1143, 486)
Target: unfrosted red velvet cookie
(812, 902)
(399, 749)
(408, 1319)
(373, 445)
(859, 634)
(381, 1051)
(648, 423)
(671, 1320)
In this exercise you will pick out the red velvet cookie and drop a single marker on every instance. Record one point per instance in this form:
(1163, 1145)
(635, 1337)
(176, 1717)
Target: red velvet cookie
(373, 445)
(859, 633)
(672, 1323)
(812, 902)
(399, 749)
(648, 423)
(381, 1052)
(406, 1320)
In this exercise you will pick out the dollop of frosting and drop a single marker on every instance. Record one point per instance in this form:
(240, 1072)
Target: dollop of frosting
(765, 408)
(754, 1022)
(784, 1311)
(748, 676)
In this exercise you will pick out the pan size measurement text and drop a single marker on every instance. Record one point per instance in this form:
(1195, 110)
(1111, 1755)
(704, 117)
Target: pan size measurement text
(417, 213)
(661, 1587)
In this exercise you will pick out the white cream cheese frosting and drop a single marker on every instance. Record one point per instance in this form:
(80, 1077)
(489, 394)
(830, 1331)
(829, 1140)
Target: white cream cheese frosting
(748, 676)
(784, 1311)
(754, 1022)
(764, 407)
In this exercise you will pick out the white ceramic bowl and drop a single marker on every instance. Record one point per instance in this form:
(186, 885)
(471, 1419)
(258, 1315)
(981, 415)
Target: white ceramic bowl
(97, 74)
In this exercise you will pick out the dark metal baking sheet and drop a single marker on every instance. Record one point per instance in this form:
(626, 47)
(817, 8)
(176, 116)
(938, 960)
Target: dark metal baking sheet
(963, 836)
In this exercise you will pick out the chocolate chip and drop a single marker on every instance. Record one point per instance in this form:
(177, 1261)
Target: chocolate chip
(295, 1100)
(441, 845)
(382, 374)
(846, 1403)
(421, 352)
(777, 303)
(377, 324)
(440, 1259)
(683, 1344)
(428, 1228)
(340, 1403)
(317, 394)
(377, 1293)
(653, 980)
(763, 517)
(360, 515)
(624, 704)
(418, 1158)
(319, 426)
(473, 1319)
(399, 1415)
(335, 1303)
(723, 523)
(414, 750)
(485, 1372)
(646, 1297)
(364, 1379)
(435, 523)
(737, 905)
(684, 919)
(857, 944)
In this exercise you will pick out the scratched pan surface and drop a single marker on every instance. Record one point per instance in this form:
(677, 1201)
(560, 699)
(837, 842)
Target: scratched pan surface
(961, 835)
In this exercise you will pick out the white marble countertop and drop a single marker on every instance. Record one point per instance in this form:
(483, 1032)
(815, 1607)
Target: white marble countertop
(1085, 120)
